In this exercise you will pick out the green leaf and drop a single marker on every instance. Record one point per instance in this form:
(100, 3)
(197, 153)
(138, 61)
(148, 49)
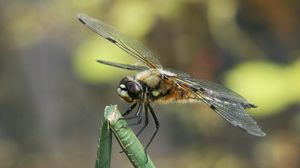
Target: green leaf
(130, 144)
(104, 147)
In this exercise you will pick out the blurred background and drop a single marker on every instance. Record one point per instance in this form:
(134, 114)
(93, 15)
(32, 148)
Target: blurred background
(53, 92)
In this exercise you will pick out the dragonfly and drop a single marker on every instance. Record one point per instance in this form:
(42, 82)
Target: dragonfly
(155, 84)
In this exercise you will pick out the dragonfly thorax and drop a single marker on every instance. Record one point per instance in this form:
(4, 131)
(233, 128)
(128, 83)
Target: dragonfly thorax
(130, 90)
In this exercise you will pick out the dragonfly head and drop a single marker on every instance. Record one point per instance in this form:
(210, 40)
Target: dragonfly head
(130, 90)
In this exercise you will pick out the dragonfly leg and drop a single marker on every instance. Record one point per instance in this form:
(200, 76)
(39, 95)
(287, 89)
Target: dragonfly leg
(132, 107)
(139, 115)
(146, 122)
(156, 125)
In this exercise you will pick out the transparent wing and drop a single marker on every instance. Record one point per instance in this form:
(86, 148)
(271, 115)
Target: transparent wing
(129, 45)
(214, 90)
(225, 102)
(123, 66)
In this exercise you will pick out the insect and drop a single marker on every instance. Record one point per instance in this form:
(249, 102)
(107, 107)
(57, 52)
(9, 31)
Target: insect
(154, 84)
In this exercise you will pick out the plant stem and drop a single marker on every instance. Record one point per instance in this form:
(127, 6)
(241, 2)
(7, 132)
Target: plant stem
(127, 139)
(104, 147)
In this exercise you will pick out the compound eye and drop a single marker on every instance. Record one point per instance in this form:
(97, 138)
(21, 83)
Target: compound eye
(133, 89)
(124, 80)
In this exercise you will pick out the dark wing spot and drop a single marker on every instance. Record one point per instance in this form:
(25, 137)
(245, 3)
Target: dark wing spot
(212, 107)
(247, 105)
(82, 21)
(111, 40)
(202, 89)
(194, 89)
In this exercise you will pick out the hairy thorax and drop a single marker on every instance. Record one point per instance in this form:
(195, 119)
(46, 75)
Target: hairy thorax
(162, 89)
